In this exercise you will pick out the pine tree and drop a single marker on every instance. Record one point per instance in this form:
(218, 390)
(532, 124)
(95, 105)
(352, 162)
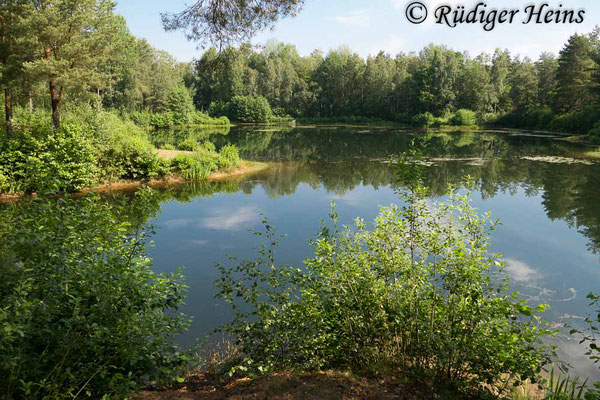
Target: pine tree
(574, 75)
(73, 38)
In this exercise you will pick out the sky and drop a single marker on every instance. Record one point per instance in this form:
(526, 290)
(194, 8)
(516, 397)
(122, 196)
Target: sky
(369, 26)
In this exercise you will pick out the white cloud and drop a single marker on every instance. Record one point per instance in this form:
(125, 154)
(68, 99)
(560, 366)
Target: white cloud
(358, 18)
(519, 271)
(230, 220)
(222, 219)
(178, 223)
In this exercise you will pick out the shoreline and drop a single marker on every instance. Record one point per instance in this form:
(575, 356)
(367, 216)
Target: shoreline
(244, 169)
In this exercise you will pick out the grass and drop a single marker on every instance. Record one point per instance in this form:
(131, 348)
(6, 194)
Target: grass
(593, 154)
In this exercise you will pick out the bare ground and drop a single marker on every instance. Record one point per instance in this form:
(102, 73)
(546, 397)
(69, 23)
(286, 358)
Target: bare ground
(316, 386)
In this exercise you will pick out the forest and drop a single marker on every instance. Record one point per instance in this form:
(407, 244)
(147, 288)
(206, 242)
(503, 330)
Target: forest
(100, 62)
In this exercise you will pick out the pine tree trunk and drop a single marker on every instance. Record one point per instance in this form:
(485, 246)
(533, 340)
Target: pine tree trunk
(55, 95)
(8, 111)
(55, 103)
(30, 103)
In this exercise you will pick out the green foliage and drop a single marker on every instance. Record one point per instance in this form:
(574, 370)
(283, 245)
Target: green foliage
(425, 119)
(564, 388)
(576, 121)
(537, 118)
(204, 161)
(188, 144)
(249, 109)
(82, 314)
(181, 104)
(195, 166)
(38, 158)
(200, 118)
(5, 182)
(228, 157)
(464, 118)
(141, 118)
(595, 134)
(124, 151)
(162, 120)
(417, 295)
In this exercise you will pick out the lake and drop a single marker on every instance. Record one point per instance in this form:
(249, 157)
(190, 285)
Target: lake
(542, 188)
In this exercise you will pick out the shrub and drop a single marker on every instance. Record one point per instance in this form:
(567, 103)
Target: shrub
(218, 108)
(484, 119)
(464, 118)
(195, 166)
(82, 314)
(131, 157)
(249, 109)
(537, 118)
(5, 182)
(40, 159)
(162, 120)
(425, 119)
(124, 150)
(188, 144)
(167, 146)
(141, 118)
(228, 157)
(204, 119)
(578, 122)
(417, 294)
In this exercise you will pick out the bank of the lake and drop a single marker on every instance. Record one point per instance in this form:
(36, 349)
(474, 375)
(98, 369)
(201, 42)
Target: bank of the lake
(244, 169)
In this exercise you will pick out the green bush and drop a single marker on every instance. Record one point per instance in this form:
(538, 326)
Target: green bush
(483, 119)
(141, 118)
(162, 120)
(418, 295)
(167, 146)
(464, 118)
(82, 314)
(195, 166)
(40, 159)
(537, 118)
(425, 119)
(6, 185)
(228, 157)
(576, 122)
(188, 144)
(204, 119)
(130, 157)
(124, 151)
(249, 109)
(217, 108)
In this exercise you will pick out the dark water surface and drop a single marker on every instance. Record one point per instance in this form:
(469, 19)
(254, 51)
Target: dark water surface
(544, 191)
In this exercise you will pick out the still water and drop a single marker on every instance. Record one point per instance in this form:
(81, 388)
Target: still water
(543, 190)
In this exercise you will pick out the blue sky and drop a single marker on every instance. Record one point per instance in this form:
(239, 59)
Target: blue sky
(369, 26)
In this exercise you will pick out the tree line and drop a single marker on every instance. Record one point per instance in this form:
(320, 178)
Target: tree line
(58, 51)
(436, 80)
